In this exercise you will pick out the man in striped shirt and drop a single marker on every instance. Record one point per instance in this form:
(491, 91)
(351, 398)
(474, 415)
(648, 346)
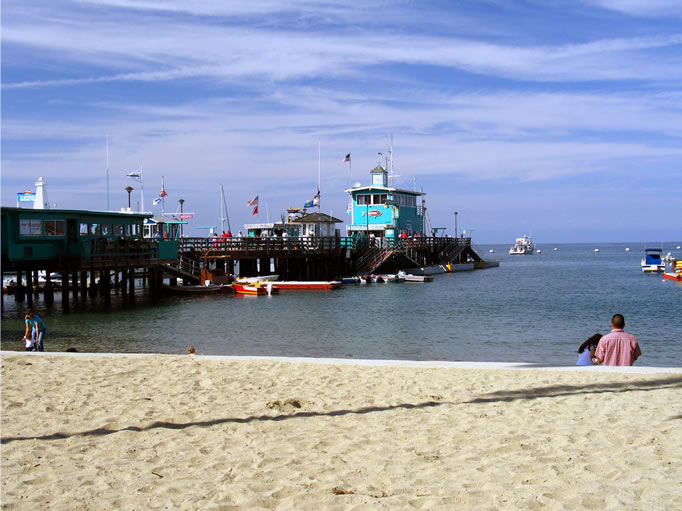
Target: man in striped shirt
(617, 348)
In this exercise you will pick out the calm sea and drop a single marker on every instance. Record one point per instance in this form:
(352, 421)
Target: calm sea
(534, 309)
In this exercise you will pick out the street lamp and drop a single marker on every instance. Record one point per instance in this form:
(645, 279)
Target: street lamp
(456, 232)
(129, 189)
(181, 201)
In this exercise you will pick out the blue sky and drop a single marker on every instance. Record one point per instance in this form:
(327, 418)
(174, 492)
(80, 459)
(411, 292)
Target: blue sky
(558, 118)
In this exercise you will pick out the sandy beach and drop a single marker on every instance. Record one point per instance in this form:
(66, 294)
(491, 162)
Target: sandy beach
(84, 431)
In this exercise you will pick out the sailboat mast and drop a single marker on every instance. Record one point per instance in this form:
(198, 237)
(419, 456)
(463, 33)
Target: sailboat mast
(318, 176)
(163, 196)
(223, 211)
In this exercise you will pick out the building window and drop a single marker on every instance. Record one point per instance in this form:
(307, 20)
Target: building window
(30, 227)
(54, 227)
(364, 200)
(84, 230)
(118, 230)
(379, 198)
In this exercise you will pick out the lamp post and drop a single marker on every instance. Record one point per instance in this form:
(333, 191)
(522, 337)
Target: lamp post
(129, 189)
(456, 232)
(181, 201)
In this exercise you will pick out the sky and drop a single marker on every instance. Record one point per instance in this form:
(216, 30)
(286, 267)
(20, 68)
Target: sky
(561, 119)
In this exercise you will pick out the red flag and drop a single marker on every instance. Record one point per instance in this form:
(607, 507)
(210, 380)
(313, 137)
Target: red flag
(163, 193)
(255, 210)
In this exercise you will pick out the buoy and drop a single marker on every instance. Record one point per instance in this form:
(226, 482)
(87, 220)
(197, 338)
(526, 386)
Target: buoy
(539, 251)
(627, 249)
(492, 251)
(678, 247)
(556, 248)
(596, 250)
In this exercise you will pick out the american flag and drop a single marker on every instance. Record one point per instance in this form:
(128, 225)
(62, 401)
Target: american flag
(347, 158)
(253, 202)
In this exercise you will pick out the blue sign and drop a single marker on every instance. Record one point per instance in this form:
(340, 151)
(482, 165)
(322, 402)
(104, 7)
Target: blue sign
(26, 197)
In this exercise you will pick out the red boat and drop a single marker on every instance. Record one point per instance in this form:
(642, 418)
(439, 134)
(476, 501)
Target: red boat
(673, 276)
(312, 284)
(257, 288)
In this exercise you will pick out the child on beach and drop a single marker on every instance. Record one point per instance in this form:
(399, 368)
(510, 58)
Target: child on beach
(586, 351)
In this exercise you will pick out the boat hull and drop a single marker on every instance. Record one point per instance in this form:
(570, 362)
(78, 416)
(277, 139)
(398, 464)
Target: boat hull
(192, 290)
(673, 276)
(306, 285)
(254, 289)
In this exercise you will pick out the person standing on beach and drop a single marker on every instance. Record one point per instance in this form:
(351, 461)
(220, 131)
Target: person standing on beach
(36, 329)
(617, 348)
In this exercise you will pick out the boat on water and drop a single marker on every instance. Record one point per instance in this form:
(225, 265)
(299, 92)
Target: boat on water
(254, 288)
(675, 272)
(409, 277)
(198, 289)
(651, 262)
(523, 246)
(392, 278)
(304, 285)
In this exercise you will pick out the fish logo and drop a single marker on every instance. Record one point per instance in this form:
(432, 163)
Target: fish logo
(373, 213)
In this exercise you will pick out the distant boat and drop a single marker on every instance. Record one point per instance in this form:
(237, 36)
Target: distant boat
(491, 251)
(627, 249)
(556, 248)
(538, 251)
(651, 262)
(523, 246)
(596, 250)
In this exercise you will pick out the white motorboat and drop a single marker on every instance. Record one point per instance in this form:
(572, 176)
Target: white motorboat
(651, 262)
(523, 246)
(408, 277)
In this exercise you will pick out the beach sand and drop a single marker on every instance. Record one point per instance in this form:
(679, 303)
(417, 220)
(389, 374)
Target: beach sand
(100, 432)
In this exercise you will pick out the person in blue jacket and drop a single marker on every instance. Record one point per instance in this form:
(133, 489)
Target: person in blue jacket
(36, 329)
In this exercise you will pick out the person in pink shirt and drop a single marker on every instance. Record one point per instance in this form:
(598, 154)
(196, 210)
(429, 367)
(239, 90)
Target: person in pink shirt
(617, 348)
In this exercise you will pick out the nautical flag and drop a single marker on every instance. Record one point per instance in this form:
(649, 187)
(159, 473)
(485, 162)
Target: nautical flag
(308, 204)
(253, 202)
(163, 193)
(347, 158)
(157, 201)
(317, 195)
(316, 201)
(134, 173)
(255, 209)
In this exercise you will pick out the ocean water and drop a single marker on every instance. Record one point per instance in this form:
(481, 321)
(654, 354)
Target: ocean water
(535, 309)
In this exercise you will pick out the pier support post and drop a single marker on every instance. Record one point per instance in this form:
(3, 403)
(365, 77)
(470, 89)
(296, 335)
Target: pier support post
(74, 284)
(29, 288)
(124, 282)
(105, 284)
(92, 291)
(131, 281)
(36, 283)
(48, 290)
(20, 291)
(84, 283)
(65, 290)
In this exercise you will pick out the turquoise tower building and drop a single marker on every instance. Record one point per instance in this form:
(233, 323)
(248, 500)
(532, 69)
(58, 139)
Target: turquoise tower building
(385, 211)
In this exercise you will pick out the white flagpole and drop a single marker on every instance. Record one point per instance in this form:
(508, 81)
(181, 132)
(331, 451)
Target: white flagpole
(141, 190)
(318, 176)
(108, 205)
(163, 199)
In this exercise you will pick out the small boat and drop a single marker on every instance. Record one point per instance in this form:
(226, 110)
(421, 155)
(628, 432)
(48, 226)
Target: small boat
(377, 278)
(392, 277)
(675, 272)
(198, 289)
(312, 284)
(408, 277)
(523, 246)
(254, 288)
(651, 262)
(351, 280)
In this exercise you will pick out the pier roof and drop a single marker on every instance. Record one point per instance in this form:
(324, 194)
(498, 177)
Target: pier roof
(317, 218)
